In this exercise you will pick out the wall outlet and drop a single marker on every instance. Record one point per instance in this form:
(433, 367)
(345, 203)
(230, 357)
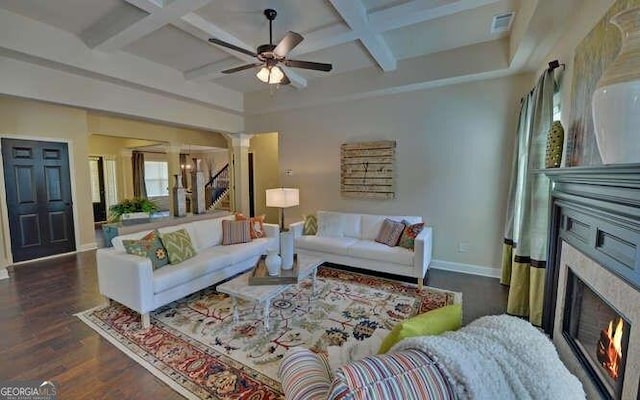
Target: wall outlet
(463, 247)
(288, 172)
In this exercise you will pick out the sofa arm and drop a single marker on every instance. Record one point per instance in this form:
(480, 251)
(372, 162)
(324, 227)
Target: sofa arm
(423, 245)
(304, 375)
(296, 228)
(271, 230)
(126, 278)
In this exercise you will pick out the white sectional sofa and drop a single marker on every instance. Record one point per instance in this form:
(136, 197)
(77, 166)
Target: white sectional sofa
(352, 242)
(131, 280)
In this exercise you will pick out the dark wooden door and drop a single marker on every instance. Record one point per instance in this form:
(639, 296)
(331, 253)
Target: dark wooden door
(38, 188)
(96, 165)
(252, 202)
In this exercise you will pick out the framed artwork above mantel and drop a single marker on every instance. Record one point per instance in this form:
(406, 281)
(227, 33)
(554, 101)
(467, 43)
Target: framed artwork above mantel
(367, 170)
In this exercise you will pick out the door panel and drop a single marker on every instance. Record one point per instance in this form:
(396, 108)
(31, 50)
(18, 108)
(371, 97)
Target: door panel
(38, 189)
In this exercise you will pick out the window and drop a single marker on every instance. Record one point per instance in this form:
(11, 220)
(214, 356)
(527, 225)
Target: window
(156, 178)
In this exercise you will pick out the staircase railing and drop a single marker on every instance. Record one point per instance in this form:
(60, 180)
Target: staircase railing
(218, 185)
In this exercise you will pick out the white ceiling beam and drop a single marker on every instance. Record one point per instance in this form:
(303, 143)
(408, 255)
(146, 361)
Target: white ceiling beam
(115, 33)
(417, 11)
(410, 13)
(210, 71)
(354, 13)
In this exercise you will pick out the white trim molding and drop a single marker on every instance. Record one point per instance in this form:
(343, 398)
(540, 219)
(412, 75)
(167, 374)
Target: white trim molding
(4, 273)
(480, 270)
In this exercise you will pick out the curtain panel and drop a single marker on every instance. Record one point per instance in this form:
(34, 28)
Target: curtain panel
(526, 228)
(139, 187)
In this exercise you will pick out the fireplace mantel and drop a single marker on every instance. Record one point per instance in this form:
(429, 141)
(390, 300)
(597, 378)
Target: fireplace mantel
(596, 209)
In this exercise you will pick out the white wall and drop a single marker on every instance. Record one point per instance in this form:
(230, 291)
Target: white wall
(454, 147)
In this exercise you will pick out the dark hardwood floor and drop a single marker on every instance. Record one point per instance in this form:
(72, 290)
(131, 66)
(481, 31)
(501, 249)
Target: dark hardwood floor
(41, 339)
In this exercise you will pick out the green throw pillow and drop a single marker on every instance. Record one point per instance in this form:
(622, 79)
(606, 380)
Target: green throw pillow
(178, 245)
(148, 246)
(310, 226)
(433, 322)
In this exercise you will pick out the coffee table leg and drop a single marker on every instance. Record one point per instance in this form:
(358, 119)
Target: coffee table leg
(235, 309)
(266, 316)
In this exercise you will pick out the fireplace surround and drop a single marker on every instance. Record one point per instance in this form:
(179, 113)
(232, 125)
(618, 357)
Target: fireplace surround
(593, 277)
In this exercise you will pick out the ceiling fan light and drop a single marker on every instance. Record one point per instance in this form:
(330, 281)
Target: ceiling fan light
(263, 74)
(276, 75)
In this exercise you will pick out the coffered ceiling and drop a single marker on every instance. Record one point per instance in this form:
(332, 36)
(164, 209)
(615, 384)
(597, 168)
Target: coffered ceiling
(161, 45)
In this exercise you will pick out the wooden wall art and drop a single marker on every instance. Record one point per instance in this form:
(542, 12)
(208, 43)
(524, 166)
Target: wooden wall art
(367, 170)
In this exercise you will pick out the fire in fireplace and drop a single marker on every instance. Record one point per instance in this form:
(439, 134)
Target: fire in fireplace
(598, 335)
(610, 348)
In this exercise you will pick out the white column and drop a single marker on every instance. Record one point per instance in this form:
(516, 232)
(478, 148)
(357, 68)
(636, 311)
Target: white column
(173, 165)
(239, 162)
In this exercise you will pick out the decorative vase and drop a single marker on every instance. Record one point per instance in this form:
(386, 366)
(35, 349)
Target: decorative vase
(555, 140)
(272, 262)
(286, 249)
(616, 101)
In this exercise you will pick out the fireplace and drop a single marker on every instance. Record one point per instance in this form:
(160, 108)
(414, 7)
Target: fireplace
(592, 291)
(598, 335)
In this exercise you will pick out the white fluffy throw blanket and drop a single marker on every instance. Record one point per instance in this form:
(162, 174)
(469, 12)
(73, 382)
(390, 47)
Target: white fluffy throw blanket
(499, 357)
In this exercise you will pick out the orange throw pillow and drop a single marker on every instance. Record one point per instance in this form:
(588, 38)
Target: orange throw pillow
(256, 225)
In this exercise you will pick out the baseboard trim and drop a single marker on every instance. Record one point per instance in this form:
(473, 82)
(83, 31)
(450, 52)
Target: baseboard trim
(480, 270)
(88, 247)
(4, 274)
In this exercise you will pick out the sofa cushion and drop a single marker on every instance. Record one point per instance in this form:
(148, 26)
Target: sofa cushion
(371, 250)
(207, 261)
(352, 225)
(390, 232)
(207, 233)
(310, 226)
(409, 234)
(409, 374)
(256, 224)
(330, 224)
(178, 245)
(117, 241)
(242, 251)
(332, 245)
(434, 322)
(148, 246)
(234, 232)
(371, 224)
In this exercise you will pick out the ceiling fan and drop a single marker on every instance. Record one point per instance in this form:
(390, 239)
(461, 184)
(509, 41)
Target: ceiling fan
(270, 56)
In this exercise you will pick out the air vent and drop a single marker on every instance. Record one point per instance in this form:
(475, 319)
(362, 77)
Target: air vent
(502, 22)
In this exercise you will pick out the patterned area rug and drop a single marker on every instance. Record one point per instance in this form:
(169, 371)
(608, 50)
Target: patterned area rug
(195, 347)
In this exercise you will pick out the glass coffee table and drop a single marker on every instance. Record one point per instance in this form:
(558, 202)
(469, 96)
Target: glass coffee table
(239, 288)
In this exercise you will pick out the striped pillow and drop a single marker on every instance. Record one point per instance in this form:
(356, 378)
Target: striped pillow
(408, 374)
(390, 232)
(304, 375)
(234, 232)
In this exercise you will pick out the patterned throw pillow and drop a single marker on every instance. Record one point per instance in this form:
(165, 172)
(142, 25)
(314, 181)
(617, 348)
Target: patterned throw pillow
(408, 238)
(148, 246)
(178, 245)
(234, 232)
(256, 225)
(390, 232)
(310, 226)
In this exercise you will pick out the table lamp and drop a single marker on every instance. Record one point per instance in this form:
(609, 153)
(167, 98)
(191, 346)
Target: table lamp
(284, 198)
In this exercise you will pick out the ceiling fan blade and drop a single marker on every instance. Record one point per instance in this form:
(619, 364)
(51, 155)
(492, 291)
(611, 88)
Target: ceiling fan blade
(288, 42)
(240, 68)
(308, 65)
(232, 47)
(285, 80)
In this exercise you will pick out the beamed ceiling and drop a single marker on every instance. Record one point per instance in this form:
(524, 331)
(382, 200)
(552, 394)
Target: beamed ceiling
(375, 46)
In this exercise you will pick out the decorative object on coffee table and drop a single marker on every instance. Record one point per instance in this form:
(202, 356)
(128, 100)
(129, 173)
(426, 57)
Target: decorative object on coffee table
(555, 140)
(284, 198)
(197, 191)
(272, 262)
(260, 274)
(179, 198)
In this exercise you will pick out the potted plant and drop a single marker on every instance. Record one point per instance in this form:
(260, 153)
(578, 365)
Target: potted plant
(134, 210)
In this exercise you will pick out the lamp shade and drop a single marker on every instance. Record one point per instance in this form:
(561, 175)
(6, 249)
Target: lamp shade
(283, 197)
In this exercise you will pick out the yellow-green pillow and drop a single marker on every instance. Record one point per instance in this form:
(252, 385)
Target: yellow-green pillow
(310, 226)
(178, 245)
(434, 322)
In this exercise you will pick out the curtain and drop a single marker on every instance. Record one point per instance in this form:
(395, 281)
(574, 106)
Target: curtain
(526, 229)
(139, 188)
